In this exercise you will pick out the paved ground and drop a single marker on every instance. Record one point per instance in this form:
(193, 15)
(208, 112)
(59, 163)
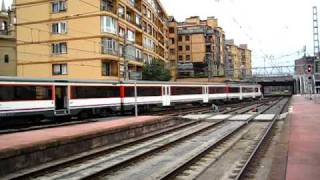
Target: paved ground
(304, 140)
(29, 138)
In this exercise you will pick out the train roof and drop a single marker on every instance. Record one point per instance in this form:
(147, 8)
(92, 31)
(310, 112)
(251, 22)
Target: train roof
(57, 80)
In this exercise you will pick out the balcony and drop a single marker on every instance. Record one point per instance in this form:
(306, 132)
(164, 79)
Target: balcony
(108, 5)
(139, 59)
(4, 32)
(109, 51)
(135, 75)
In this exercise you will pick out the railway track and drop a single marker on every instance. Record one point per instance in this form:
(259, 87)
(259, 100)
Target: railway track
(107, 161)
(244, 171)
(232, 157)
(174, 112)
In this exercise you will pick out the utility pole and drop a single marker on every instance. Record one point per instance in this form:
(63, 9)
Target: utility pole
(125, 56)
(316, 48)
(209, 56)
(315, 32)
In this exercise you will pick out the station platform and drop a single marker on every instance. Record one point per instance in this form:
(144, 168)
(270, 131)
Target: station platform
(31, 138)
(28, 149)
(304, 140)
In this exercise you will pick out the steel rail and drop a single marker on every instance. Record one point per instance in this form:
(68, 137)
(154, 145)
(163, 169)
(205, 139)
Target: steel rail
(259, 145)
(174, 172)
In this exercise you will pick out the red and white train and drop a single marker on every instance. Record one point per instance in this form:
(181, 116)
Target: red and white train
(57, 97)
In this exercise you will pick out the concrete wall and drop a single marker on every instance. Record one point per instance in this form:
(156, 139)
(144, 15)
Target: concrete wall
(8, 47)
(15, 160)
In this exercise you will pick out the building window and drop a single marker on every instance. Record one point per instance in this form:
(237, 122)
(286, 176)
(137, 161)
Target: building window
(106, 69)
(180, 48)
(4, 26)
(145, 58)
(187, 48)
(6, 58)
(107, 5)
(58, 6)
(109, 25)
(149, 14)
(144, 26)
(172, 40)
(121, 11)
(187, 57)
(129, 16)
(172, 51)
(171, 30)
(149, 29)
(122, 32)
(109, 46)
(132, 2)
(59, 48)
(187, 38)
(179, 38)
(131, 35)
(120, 50)
(148, 43)
(150, 59)
(59, 28)
(59, 69)
(180, 58)
(138, 54)
(138, 20)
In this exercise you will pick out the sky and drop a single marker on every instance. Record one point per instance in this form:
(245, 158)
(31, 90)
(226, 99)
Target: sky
(278, 28)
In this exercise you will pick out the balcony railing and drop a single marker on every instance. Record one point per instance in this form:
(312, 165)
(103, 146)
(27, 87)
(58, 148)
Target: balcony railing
(109, 51)
(135, 75)
(4, 32)
(195, 31)
(139, 59)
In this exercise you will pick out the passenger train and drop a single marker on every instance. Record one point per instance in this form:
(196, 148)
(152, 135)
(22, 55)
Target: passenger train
(61, 97)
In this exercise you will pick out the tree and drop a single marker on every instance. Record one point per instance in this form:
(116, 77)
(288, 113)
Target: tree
(156, 71)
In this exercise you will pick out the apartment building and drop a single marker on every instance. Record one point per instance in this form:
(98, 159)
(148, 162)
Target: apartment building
(173, 44)
(96, 39)
(197, 46)
(8, 63)
(246, 63)
(238, 61)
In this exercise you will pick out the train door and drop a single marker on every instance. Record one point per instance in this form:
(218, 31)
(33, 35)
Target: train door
(166, 91)
(205, 94)
(61, 99)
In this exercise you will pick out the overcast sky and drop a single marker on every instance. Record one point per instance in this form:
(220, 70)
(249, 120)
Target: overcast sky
(269, 27)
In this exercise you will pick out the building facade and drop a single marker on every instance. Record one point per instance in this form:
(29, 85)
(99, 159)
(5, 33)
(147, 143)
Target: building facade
(245, 61)
(302, 64)
(172, 46)
(238, 61)
(8, 63)
(96, 39)
(197, 48)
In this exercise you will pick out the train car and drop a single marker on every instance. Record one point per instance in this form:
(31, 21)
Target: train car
(60, 97)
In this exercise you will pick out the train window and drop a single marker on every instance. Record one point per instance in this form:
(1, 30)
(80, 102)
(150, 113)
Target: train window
(22, 93)
(247, 90)
(129, 91)
(87, 92)
(149, 91)
(234, 89)
(143, 91)
(178, 90)
(216, 90)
